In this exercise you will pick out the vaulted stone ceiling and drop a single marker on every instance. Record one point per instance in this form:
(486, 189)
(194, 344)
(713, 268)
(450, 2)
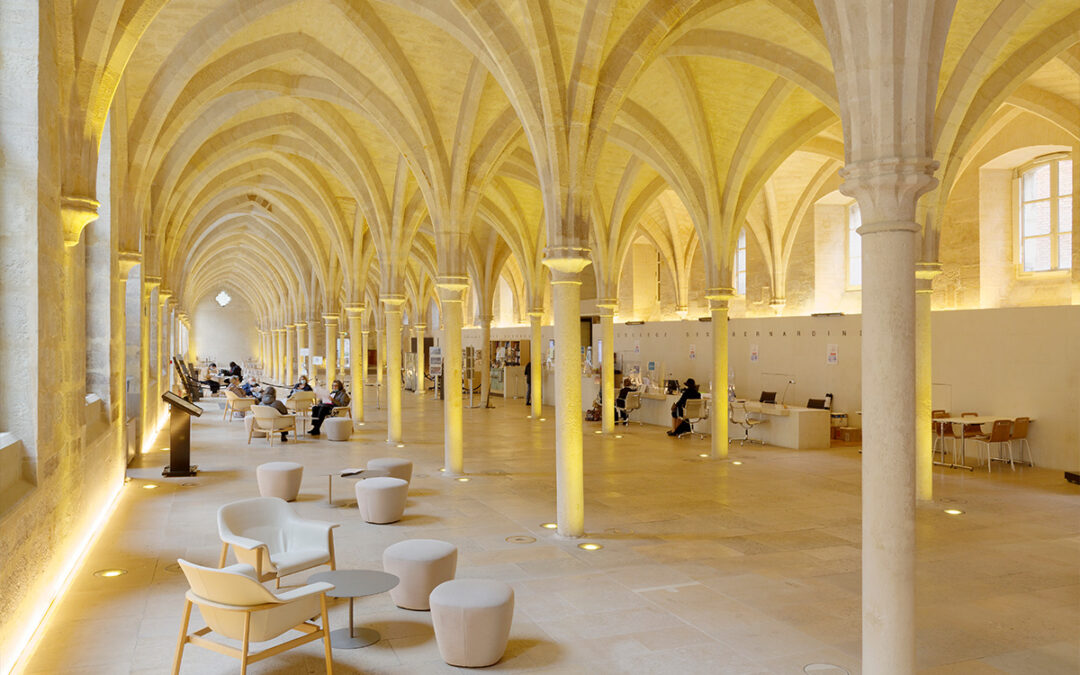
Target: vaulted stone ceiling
(313, 153)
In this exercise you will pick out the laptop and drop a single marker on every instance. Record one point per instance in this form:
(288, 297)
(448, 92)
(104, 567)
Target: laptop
(818, 403)
(768, 397)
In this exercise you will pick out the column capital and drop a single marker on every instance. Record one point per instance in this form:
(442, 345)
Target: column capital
(486, 318)
(723, 293)
(448, 282)
(888, 191)
(451, 292)
(419, 326)
(163, 295)
(126, 261)
(330, 318)
(392, 301)
(925, 272)
(537, 313)
(567, 260)
(355, 310)
(76, 213)
(300, 324)
(151, 281)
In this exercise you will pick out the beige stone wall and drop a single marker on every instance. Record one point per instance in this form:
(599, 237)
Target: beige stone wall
(227, 333)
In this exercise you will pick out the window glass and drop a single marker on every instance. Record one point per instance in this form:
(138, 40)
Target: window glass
(740, 264)
(1065, 252)
(1046, 215)
(1037, 182)
(1036, 219)
(1036, 254)
(1065, 177)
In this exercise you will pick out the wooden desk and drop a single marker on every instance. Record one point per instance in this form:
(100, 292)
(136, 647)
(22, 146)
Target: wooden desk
(791, 426)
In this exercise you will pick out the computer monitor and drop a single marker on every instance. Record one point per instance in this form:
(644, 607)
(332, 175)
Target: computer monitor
(818, 403)
(768, 397)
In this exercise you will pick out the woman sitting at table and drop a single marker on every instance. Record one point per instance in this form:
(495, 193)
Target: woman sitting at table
(338, 398)
(691, 392)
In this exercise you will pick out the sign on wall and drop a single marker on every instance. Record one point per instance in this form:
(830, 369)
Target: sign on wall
(693, 352)
(832, 355)
(435, 361)
(753, 353)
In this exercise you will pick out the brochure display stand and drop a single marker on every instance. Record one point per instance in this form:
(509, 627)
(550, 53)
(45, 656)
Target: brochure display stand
(180, 414)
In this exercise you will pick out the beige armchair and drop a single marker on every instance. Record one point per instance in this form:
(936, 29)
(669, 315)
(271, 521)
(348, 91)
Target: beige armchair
(300, 403)
(236, 404)
(236, 606)
(269, 420)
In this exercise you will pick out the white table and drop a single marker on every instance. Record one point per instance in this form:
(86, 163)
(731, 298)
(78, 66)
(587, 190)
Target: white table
(792, 426)
(978, 419)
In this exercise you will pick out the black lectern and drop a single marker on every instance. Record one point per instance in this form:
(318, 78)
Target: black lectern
(180, 413)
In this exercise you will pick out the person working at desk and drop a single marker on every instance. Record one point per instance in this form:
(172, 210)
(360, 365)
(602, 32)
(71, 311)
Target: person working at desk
(620, 402)
(690, 392)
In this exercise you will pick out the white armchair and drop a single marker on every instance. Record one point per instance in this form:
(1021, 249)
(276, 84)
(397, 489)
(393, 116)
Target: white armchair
(266, 533)
(270, 421)
(236, 606)
(300, 403)
(236, 404)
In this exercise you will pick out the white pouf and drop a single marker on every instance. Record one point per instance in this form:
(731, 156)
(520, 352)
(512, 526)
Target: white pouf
(421, 565)
(382, 500)
(279, 479)
(472, 620)
(249, 420)
(337, 428)
(393, 466)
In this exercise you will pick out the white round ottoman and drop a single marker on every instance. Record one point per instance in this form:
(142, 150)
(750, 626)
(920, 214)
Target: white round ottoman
(472, 620)
(249, 420)
(337, 428)
(279, 479)
(421, 565)
(382, 500)
(393, 466)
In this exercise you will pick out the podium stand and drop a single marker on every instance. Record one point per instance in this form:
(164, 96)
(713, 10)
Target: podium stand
(180, 414)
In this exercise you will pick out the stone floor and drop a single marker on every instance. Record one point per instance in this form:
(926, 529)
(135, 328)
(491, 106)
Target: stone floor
(706, 567)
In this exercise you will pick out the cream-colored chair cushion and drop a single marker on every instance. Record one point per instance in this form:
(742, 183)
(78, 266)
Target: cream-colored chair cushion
(382, 500)
(421, 565)
(279, 479)
(393, 466)
(472, 620)
(337, 428)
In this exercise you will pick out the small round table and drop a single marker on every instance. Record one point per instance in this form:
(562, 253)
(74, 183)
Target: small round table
(358, 475)
(354, 584)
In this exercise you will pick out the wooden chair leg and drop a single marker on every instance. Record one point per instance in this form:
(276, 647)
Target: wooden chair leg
(328, 652)
(224, 553)
(183, 638)
(246, 644)
(333, 563)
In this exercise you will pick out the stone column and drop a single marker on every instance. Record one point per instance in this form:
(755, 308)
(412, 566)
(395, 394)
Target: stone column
(421, 383)
(380, 354)
(264, 354)
(536, 358)
(303, 363)
(357, 370)
(364, 364)
(718, 308)
(148, 418)
(887, 192)
(290, 354)
(275, 350)
(924, 432)
(569, 464)
(484, 360)
(313, 345)
(164, 329)
(331, 321)
(607, 365)
(392, 322)
(452, 293)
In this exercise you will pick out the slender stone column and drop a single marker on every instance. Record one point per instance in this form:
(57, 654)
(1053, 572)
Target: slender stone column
(569, 464)
(452, 294)
(536, 358)
(364, 338)
(358, 364)
(290, 353)
(887, 191)
(392, 321)
(264, 353)
(380, 355)
(313, 345)
(421, 383)
(275, 347)
(330, 321)
(163, 336)
(924, 432)
(718, 308)
(303, 363)
(484, 359)
(607, 365)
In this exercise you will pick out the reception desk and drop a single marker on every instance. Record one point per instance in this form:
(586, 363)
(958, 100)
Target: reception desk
(788, 427)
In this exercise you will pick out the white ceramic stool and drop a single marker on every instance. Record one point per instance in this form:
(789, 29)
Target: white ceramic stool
(472, 620)
(382, 500)
(279, 479)
(337, 428)
(249, 419)
(421, 565)
(393, 466)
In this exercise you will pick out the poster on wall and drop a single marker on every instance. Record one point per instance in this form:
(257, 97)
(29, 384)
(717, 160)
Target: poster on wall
(435, 361)
(753, 354)
(693, 352)
(832, 355)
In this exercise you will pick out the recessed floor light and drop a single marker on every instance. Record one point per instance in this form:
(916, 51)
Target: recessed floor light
(618, 435)
(360, 424)
(598, 431)
(150, 486)
(550, 526)
(704, 454)
(543, 419)
(590, 546)
(737, 463)
(954, 512)
(108, 574)
(401, 445)
(528, 417)
(442, 468)
(521, 539)
(463, 479)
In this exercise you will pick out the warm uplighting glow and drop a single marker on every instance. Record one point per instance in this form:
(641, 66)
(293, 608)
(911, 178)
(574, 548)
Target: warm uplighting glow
(22, 645)
(737, 463)
(148, 442)
(590, 547)
(110, 573)
(704, 454)
(359, 424)
(954, 512)
(618, 435)
(598, 431)
(463, 480)
(543, 419)
(528, 417)
(550, 526)
(442, 468)
(150, 486)
(401, 445)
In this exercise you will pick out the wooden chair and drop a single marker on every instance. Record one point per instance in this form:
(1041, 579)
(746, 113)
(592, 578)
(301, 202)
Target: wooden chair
(1019, 435)
(237, 607)
(236, 404)
(999, 433)
(270, 421)
(942, 432)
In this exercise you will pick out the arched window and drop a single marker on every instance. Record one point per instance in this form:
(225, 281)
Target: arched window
(1045, 214)
(854, 247)
(740, 264)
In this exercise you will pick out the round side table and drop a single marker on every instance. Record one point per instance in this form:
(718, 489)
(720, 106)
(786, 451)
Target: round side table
(354, 584)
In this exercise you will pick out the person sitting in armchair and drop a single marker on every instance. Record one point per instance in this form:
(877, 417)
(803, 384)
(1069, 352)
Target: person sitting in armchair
(338, 398)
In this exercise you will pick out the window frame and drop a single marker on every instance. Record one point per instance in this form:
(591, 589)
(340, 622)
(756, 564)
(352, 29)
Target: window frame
(1053, 160)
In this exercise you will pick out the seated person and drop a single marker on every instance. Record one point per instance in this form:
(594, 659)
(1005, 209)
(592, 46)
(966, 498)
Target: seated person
(234, 387)
(338, 398)
(251, 387)
(210, 381)
(234, 370)
(691, 392)
(620, 403)
(301, 385)
(270, 398)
